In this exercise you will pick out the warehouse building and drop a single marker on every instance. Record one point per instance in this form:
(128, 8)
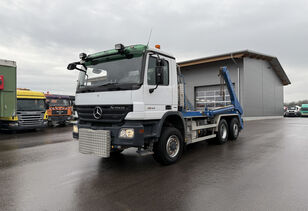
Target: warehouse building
(258, 80)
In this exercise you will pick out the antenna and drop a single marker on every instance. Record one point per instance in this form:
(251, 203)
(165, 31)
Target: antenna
(149, 37)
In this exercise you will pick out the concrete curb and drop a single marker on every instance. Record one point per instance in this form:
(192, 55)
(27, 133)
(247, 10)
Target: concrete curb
(261, 118)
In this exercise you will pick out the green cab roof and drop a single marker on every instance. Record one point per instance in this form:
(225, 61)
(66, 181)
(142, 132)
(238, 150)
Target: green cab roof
(109, 55)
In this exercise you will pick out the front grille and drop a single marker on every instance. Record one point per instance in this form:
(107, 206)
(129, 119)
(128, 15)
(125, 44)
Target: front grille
(59, 112)
(30, 119)
(110, 113)
(94, 142)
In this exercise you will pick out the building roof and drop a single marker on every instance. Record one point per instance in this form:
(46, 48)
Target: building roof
(273, 61)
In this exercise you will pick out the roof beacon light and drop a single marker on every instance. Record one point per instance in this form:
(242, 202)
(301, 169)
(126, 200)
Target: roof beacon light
(119, 47)
(157, 46)
(82, 56)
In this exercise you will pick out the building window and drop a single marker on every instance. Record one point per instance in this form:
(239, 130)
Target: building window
(151, 72)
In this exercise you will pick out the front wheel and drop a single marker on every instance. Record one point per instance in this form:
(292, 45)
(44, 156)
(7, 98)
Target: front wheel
(62, 124)
(169, 148)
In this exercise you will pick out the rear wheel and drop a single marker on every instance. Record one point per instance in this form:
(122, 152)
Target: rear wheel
(169, 148)
(234, 129)
(222, 133)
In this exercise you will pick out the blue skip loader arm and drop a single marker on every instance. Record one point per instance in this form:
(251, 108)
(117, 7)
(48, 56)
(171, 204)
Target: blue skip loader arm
(234, 101)
(234, 108)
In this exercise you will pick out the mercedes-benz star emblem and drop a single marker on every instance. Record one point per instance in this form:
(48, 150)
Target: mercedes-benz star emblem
(98, 112)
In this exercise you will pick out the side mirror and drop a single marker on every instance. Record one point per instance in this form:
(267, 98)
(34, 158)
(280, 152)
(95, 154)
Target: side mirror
(47, 106)
(71, 66)
(160, 62)
(159, 74)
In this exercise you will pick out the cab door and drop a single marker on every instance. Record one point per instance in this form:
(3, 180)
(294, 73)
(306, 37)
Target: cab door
(160, 100)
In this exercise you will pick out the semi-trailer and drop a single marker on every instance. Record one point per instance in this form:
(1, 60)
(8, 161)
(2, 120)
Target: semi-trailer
(7, 89)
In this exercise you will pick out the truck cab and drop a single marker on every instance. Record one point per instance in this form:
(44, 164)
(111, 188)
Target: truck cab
(134, 97)
(59, 109)
(31, 112)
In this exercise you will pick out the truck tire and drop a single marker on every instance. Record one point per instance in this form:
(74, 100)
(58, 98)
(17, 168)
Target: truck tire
(116, 151)
(49, 124)
(169, 148)
(234, 129)
(222, 133)
(62, 124)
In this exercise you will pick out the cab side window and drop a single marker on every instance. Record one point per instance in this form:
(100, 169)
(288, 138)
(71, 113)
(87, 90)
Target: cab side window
(151, 72)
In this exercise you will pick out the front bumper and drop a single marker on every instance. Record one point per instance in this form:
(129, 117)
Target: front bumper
(15, 125)
(136, 141)
(291, 114)
(304, 114)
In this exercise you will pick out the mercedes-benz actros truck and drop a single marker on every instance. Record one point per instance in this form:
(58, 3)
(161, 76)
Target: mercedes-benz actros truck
(133, 96)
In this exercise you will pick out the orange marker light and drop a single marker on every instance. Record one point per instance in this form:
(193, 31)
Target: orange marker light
(157, 46)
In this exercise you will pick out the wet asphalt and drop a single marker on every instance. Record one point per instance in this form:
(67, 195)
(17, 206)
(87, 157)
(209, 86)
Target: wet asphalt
(266, 169)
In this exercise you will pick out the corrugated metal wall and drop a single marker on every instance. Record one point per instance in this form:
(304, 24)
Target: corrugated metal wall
(263, 90)
(260, 92)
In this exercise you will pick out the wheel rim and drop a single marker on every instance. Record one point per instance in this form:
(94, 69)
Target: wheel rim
(235, 129)
(173, 146)
(223, 132)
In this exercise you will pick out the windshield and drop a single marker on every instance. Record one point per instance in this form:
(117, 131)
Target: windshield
(30, 105)
(58, 102)
(124, 71)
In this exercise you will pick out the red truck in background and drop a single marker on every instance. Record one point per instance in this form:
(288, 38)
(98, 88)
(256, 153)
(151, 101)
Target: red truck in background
(60, 109)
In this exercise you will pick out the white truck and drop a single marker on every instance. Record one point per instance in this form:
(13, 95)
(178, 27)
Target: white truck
(133, 96)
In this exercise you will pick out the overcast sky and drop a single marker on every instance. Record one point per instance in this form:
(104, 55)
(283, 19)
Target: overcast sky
(44, 36)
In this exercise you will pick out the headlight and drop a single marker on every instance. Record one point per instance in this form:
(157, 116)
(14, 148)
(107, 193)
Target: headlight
(127, 133)
(75, 129)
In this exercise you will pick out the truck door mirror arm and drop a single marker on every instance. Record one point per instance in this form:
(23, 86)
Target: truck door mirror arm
(73, 66)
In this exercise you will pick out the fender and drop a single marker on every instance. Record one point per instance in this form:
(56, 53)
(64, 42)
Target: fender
(218, 117)
(163, 119)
